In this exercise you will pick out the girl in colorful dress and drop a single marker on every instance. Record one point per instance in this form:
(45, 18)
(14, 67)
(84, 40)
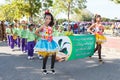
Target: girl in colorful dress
(98, 32)
(47, 46)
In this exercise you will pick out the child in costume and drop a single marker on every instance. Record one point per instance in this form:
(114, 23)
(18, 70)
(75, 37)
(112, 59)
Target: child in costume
(69, 32)
(18, 31)
(31, 40)
(13, 37)
(46, 46)
(24, 38)
(8, 32)
(98, 32)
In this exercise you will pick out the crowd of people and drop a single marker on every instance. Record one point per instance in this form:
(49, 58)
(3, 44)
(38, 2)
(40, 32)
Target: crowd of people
(115, 28)
(30, 38)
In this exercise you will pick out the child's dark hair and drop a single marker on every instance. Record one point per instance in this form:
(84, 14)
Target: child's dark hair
(11, 24)
(30, 25)
(96, 16)
(52, 19)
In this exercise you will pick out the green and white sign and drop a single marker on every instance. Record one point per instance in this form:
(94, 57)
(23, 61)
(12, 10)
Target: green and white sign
(76, 47)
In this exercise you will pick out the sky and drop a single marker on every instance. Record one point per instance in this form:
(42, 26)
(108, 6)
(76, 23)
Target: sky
(2, 1)
(105, 8)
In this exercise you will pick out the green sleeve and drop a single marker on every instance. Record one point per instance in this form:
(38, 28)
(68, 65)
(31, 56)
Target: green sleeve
(18, 31)
(14, 31)
(23, 34)
(7, 30)
(31, 36)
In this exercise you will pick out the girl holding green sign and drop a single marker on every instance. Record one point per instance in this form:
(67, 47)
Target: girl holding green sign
(98, 32)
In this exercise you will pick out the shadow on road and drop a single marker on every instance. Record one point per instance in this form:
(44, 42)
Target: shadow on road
(17, 67)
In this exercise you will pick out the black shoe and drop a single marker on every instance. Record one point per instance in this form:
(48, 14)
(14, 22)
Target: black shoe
(101, 61)
(44, 71)
(52, 71)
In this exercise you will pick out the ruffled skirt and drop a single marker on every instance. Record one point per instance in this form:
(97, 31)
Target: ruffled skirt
(45, 48)
(100, 38)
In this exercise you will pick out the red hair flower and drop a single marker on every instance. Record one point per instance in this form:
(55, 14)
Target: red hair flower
(47, 11)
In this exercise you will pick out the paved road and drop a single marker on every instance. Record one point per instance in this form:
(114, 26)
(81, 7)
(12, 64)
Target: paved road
(15, 66)
(112, 42)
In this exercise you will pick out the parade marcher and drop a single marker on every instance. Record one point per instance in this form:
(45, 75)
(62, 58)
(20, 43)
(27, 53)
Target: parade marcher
(8, 33)
(24, 38)
(113, 28)
(31, 40)
(18, 31)
(69, 32)
(99, 29)
(47, 46)
(13, 37)
(75, 29)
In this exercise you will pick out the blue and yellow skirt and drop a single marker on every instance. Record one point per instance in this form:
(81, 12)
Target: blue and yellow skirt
(45, 48)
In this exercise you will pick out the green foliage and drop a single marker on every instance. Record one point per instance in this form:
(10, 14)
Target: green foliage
(13, 10)
(16, 9)
(86, 15)
(34, 7)
(116, 1)
(69, 6)
(105, 19)
(60, 21)
(49, 3)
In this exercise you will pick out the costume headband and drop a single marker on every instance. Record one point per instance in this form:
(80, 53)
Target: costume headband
(47, 11)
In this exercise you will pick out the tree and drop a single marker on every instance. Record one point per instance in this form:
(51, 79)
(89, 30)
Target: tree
(71, 6)
(116, 1)
(86, 15)
(13, 10)
(37, 7)
(104, 19)
(45, 5)
(34, 7)
(28, 6)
